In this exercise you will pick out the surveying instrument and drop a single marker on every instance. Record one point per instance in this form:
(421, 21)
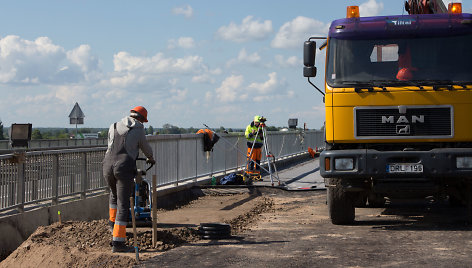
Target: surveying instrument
(269, 156)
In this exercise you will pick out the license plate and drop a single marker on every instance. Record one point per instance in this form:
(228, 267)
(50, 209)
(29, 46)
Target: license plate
(405, 168)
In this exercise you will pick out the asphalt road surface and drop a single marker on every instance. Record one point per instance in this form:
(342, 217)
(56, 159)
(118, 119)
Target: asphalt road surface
(298, 233)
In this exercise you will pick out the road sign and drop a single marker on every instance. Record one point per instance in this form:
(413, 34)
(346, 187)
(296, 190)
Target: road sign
(76, 116)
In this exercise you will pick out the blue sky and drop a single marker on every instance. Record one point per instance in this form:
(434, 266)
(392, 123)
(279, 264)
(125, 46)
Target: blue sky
(188, 62)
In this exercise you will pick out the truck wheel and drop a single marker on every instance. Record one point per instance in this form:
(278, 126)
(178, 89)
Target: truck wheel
(340, 205)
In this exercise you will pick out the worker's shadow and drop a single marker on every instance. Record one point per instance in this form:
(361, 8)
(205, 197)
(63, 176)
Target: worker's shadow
(253, 193)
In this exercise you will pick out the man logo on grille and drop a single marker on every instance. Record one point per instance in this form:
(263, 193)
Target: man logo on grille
(402, 119)
(403, 129)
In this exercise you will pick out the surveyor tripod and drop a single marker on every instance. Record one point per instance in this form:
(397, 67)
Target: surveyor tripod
(269, 156)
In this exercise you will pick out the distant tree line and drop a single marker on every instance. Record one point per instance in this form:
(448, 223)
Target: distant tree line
(69, 133)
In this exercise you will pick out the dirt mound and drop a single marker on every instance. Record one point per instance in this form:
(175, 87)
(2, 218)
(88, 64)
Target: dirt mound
(87, 244)
(244, 221)
(71, 244)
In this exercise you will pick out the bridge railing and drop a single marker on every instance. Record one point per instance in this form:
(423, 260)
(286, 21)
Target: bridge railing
(59, 143)
(50, 175)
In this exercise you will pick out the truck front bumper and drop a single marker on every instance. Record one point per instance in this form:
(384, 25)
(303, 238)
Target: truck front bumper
(368, 163)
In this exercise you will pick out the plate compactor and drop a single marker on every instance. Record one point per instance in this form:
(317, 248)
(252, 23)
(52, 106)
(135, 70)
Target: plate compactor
(142, 198)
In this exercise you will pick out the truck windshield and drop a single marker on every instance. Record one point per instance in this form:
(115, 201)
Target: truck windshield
(398, 62)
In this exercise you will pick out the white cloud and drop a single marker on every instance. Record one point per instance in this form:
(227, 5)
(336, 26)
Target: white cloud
(266, 87)
(70, 94)
(186, 10)
(203, 78)
(178, 94)
(230, 89)
(38, 99)
(370, 8)
(248, 30)
(207, 77)
(293, 33)
(270, 90)
(111, 95)
(173, 81)
(244, 57)
(156, 64)
(183, 42)
(82, 57)
(292, 61)
(41, 61)
(208, 96)
(141, 70)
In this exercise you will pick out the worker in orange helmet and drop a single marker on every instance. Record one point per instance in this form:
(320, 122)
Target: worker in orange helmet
(255, 141)
(405, 69)
(125, 138)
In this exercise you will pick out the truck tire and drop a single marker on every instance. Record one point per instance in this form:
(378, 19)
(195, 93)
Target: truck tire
(340, 204)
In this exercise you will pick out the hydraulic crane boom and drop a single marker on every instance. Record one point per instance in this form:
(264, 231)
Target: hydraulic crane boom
(425, 7)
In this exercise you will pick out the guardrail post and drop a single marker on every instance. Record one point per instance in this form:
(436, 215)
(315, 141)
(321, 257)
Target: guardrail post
(20, 190)
(55, 179)
(177, 161)
(224, 153)
(211, 173)
(83, 175)
(34, 180)
(196, 160)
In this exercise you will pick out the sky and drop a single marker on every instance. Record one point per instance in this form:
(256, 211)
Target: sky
(189, 63)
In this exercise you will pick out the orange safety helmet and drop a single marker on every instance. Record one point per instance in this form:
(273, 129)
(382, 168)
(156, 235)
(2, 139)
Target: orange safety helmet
(405, 74)
(140, 110)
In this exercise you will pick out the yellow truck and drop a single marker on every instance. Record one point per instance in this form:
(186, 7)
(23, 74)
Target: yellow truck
(398, 103)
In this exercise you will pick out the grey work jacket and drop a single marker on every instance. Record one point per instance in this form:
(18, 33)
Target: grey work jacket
(135, 139)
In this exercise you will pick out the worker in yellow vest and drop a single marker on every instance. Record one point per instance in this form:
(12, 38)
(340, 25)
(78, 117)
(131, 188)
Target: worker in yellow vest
(255, 141)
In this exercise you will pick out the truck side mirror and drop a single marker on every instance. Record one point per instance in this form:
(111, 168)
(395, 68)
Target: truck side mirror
(309, 53)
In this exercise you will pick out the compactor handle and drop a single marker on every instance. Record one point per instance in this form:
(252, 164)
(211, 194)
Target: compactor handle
(144, 159)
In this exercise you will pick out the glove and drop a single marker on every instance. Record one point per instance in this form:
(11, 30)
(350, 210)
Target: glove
(150, 161)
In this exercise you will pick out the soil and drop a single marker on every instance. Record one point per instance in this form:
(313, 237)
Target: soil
(87, 244)
(275, 228)
(297, 232)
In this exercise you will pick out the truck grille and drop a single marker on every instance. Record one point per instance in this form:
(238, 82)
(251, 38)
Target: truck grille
(396, 122)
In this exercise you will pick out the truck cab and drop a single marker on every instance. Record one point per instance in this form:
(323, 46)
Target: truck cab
(398, 104)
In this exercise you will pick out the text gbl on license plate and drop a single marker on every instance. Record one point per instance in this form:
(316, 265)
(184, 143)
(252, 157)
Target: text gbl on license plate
(405, 168)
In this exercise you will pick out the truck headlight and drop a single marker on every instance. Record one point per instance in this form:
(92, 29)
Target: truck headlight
(464, 162)
(344, 164)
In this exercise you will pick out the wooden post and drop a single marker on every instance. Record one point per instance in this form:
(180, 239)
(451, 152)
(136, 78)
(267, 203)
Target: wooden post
(135, 234)
(154, 211)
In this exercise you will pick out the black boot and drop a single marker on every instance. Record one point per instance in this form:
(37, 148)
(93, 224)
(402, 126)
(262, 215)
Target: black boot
(121, 247)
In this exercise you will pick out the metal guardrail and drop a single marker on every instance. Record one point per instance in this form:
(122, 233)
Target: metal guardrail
(60, 143)
(49, 175)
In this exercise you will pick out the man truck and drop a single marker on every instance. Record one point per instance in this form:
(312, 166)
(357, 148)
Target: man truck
(398, 104)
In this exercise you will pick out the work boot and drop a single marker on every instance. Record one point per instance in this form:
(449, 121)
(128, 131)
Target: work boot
(121, 247)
